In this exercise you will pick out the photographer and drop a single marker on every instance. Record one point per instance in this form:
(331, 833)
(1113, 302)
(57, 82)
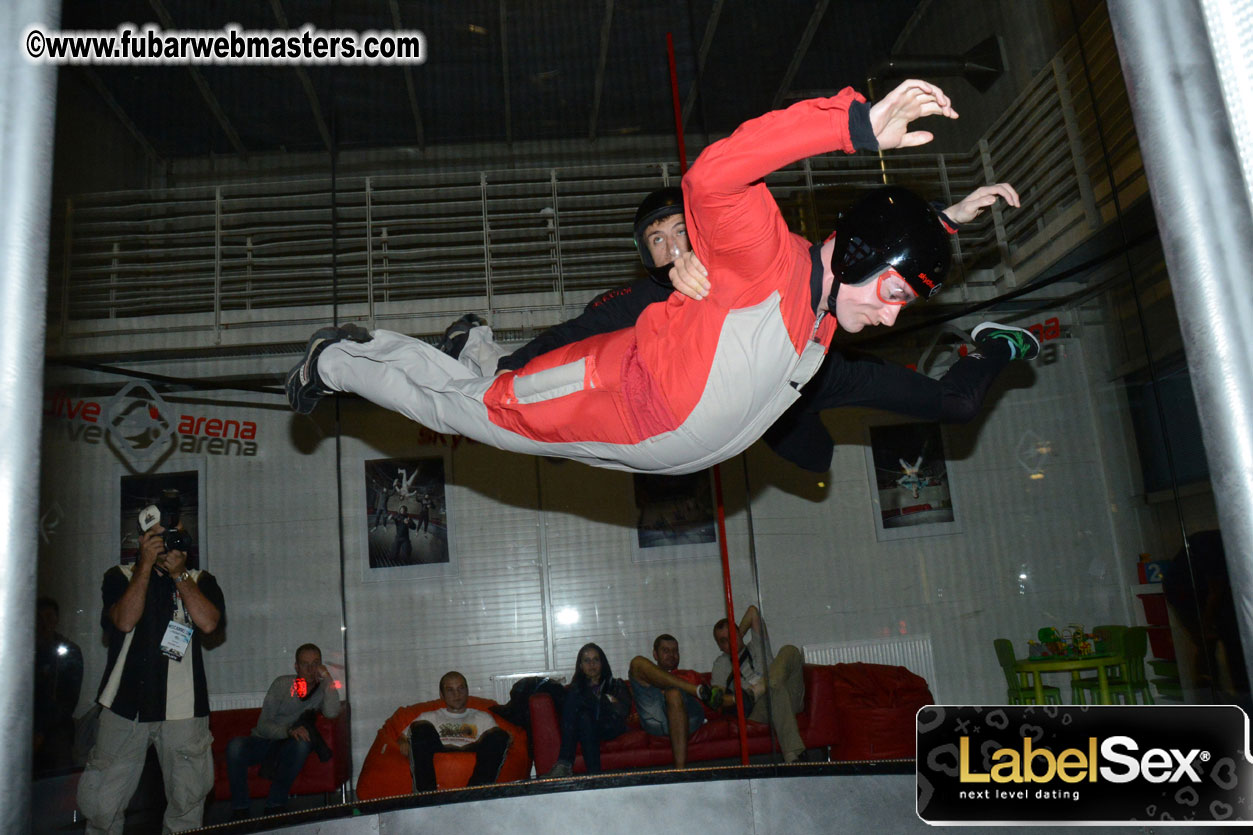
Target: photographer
(153, 691)
(285, 734)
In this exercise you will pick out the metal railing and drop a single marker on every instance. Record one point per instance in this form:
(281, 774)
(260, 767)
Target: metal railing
(548, 238)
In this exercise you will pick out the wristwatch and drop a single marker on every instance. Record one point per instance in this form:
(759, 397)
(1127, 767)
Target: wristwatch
(184, 577)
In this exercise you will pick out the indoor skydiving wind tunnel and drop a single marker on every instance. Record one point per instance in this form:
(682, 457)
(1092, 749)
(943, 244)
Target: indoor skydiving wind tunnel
(1069, 529)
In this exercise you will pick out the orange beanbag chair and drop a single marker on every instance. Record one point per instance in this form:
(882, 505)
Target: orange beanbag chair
(385, 772)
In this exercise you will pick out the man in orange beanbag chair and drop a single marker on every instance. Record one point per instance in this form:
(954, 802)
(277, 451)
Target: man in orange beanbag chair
(401, 760)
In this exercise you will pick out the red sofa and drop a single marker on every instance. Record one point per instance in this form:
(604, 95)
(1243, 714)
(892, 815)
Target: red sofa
(385, 772)
(316, 777)
(860, 711)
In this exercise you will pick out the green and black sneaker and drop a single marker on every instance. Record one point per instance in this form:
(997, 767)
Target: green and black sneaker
(711, 697)
(1023, 344)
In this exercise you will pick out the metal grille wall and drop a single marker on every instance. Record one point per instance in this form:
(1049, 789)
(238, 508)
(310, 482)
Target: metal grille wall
(547, 238)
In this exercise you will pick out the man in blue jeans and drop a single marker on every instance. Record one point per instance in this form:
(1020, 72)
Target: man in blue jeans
(667, 699)
(282, 739)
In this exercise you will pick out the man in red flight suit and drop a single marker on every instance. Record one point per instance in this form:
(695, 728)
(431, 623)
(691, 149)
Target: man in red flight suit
(691, 383)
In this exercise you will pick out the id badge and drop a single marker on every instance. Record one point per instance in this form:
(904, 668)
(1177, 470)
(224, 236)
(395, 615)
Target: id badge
(176, 640)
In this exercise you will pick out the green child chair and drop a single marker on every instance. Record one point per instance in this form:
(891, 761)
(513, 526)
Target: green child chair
(1020, 686)
(1130, 682)
(1109, 639)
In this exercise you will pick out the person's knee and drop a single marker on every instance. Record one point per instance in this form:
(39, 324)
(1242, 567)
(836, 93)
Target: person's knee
(422, 730)
(639, 664)
(786, 663)
(299, 749)
(98, 805)
(491, 736)
(959, 408)
(191, 775)
(496, 740)
(235, 749)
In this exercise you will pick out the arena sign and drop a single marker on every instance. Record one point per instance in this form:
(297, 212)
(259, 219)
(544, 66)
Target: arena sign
(1023, 765)
(142, 429)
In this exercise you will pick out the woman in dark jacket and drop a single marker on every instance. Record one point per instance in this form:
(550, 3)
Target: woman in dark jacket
(596, 708)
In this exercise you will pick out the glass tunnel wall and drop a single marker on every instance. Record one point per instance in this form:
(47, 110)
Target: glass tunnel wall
(207, 220)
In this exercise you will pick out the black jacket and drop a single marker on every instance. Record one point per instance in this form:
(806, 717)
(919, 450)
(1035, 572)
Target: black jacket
(611, 311)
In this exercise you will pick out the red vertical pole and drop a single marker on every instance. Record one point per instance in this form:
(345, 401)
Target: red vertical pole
(733, 627)
(678, 111)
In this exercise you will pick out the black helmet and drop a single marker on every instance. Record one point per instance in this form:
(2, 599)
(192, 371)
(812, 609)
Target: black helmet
(891, 227)
(661, 203)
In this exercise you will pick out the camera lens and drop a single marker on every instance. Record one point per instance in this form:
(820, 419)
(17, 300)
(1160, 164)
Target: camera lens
(176, 540)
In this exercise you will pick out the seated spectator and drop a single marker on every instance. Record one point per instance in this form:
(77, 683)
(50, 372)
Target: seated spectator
(58, 680)
(595, 708)
(454, 727)
(667, 699)
(773, 688)
(285, 732)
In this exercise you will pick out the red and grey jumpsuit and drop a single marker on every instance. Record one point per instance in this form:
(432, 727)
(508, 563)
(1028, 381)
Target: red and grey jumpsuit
(692, 383)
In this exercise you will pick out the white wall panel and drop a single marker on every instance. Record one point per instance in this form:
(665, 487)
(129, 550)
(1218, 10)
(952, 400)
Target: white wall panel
(531, 538)
(482, 614)
(623, 605)
(825, 577)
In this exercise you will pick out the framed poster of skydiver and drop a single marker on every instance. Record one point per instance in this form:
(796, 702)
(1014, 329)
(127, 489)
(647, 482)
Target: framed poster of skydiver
(675, 517)
(909, 481)
(406, 513)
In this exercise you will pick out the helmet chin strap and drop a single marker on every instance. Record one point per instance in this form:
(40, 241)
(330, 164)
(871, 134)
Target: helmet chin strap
(839, 282)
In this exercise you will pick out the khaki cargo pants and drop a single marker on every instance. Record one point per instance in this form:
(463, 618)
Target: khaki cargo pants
(116, 761)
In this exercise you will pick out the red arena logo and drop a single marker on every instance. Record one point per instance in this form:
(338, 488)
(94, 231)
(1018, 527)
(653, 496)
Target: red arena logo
(141, 426)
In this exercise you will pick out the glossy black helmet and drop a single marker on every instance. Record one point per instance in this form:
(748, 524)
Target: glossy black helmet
(891, 227)
(661, 203)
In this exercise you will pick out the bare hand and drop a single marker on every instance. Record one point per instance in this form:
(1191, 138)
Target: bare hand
(151, 548)
(301, 733)
(689, 276)
(402, 742)
(981, 198)
(912, 99)
(322, 674)
(174, 562)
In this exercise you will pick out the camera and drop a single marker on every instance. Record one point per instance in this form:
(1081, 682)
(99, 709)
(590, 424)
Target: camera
(176, 540)
(166, 512)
